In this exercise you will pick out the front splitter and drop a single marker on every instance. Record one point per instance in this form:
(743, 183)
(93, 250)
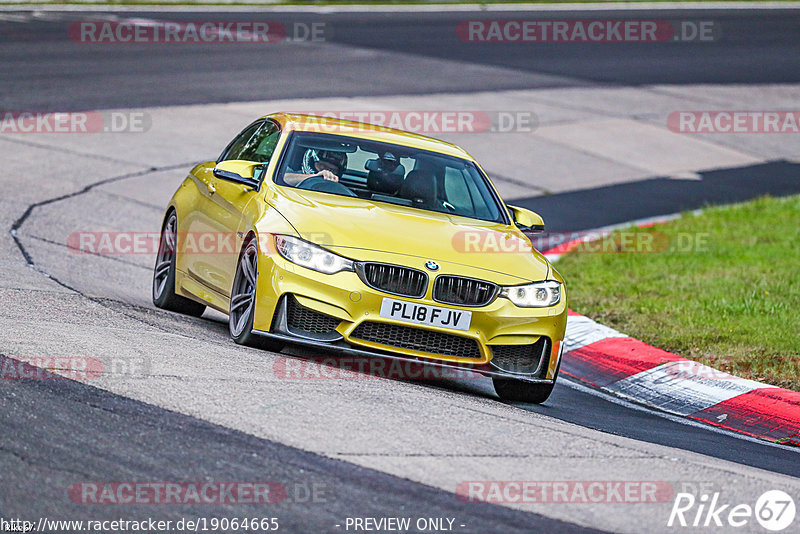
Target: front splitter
(341, 347)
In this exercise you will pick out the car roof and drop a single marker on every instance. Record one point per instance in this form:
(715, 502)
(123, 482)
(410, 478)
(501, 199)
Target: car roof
(362, 130)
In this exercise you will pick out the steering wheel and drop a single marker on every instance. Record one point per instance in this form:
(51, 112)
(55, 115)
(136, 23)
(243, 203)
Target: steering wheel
(318, 183)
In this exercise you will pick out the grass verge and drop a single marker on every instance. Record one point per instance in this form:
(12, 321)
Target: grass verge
(721, 287)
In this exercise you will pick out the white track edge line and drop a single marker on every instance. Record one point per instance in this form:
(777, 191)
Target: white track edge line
(569, 382)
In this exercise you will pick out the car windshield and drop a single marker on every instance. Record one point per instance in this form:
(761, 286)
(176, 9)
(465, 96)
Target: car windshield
(385, 172)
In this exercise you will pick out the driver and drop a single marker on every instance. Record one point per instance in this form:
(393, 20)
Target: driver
(327, 164)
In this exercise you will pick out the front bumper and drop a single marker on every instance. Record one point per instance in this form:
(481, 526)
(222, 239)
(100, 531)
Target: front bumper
(345, 297)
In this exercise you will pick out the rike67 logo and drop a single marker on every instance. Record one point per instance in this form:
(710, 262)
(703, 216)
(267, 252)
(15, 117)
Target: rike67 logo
(774, 511)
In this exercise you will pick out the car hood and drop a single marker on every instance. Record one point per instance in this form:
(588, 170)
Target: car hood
(369, 230)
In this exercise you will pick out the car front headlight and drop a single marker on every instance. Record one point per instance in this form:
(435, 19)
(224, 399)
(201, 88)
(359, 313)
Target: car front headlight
(536, 295)
(310, 256)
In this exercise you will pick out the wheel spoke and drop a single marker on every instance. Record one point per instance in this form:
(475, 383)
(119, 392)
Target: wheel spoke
(244, 291)
(161, 285)
(249, 270)
(169, 240)
(242, 321)
(164, 257)
(162, 268)
(248, 310)
(241, 300)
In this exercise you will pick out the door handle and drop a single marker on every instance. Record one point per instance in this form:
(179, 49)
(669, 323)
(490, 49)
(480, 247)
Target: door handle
(211, 188)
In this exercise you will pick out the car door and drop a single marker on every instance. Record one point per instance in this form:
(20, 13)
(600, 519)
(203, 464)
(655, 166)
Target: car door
(220, 226)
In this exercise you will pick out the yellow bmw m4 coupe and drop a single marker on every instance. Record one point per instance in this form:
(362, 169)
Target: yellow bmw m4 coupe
(366, 241)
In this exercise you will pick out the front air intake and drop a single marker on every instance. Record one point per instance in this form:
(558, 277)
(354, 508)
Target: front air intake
(393, 279)
(463, 291)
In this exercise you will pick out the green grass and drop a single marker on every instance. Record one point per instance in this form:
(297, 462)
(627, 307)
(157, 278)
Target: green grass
(732, 301)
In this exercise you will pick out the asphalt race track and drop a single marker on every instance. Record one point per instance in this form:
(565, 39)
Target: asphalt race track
(192, 406)
(756, 47)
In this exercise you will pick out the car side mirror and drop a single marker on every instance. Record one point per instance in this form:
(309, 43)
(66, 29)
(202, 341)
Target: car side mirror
(526, 220)
(240, 172)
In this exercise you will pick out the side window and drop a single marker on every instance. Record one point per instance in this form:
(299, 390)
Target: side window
(457, 192)
(262, 144)
(463, 192)
(256, 143)
(485, 207)
(239, 142)
(358, 159)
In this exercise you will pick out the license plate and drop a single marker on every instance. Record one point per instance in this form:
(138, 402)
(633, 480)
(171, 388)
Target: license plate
(411, 312)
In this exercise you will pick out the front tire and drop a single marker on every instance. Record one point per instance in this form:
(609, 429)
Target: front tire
(243, 301)
(164, 296)
(510, 389)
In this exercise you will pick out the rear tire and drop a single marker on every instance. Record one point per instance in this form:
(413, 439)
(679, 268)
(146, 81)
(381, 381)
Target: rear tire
(164, 296)
(243, 301)
(510, 389)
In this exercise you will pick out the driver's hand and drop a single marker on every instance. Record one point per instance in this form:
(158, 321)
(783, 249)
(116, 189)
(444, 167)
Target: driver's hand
(328, 175)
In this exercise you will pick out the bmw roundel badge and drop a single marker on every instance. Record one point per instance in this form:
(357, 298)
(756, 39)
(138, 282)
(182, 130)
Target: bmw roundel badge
(432, 265)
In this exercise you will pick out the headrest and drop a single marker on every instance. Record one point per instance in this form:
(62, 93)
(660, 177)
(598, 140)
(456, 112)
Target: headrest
(380, 181)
